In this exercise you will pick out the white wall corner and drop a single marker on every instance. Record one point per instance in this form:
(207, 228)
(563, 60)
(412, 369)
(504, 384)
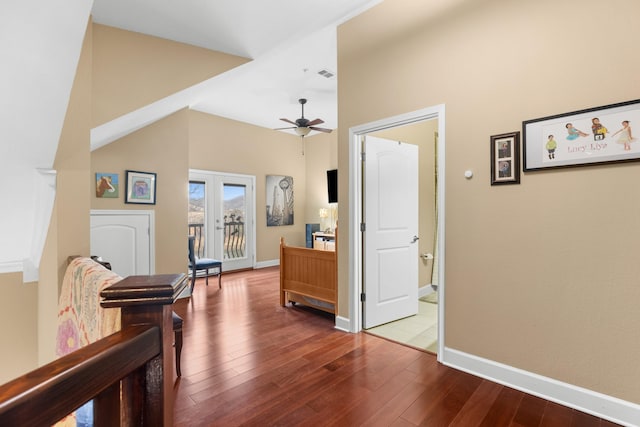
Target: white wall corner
(600, 405)
(30, 272)
(44, 197)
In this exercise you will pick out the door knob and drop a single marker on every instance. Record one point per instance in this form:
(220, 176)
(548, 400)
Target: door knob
(415, 239)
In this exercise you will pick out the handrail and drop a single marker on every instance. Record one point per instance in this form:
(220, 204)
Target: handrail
(49, 393)
(127, 374)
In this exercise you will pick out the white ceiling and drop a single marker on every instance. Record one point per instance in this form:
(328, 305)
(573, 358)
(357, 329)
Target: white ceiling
(289, 41)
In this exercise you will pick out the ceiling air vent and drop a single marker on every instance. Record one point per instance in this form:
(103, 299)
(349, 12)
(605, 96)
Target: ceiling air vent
(326, 73)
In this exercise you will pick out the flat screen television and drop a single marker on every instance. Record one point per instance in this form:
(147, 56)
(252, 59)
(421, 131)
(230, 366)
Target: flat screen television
(332, 185)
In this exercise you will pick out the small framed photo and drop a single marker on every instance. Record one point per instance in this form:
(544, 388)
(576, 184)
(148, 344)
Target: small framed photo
(107, 185)
(141, 187)
(505, 158)
(581, 138)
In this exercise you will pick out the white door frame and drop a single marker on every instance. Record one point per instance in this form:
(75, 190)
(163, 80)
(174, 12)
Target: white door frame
(252, 226)
(355, 209)
(152, 228)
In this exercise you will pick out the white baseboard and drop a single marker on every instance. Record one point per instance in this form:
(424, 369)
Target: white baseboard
(600, 405)
(343, 324)
(265, 264)
(425, 290)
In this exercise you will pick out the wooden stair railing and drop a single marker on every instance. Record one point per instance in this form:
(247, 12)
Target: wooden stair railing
(128, 374)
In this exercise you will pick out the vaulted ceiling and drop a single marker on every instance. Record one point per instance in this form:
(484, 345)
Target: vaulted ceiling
(289, 43)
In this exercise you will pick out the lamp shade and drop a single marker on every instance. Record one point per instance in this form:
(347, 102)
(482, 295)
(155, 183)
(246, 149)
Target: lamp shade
(302, 131)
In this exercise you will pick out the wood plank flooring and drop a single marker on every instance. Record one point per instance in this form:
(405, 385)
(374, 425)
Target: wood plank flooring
(246, 361)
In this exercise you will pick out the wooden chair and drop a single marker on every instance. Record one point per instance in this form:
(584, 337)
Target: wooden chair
(199, 264)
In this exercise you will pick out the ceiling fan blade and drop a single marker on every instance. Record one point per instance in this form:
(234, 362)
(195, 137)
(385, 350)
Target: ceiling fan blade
(289, 121)
(315, 122)
(325, 130)
(286, 128)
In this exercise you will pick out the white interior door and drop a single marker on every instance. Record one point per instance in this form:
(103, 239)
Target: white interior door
(391, 218)
(229, 218)
(123, 238)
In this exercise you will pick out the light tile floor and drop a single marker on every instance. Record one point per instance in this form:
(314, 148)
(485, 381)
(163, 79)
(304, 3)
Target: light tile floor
(419, 331)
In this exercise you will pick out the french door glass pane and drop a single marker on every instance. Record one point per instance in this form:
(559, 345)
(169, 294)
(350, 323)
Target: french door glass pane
(234, 205)
(197, 216)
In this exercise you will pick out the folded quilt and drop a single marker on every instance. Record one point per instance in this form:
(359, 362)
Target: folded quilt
(81, 319)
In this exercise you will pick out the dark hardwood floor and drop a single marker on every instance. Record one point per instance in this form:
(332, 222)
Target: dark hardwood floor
(248, 361)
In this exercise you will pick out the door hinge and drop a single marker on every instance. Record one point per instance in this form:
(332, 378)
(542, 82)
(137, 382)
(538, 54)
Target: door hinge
(363, 297)
(363, 227)
(363, 156)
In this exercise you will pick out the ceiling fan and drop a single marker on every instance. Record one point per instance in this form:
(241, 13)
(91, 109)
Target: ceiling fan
(303, 126)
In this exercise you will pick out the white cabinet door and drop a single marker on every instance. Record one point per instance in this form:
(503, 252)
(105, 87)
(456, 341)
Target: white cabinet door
(124, 238)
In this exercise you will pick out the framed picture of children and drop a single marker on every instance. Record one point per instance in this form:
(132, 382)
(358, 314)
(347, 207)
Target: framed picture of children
(505, 158)
(141, 187)
(581, 138)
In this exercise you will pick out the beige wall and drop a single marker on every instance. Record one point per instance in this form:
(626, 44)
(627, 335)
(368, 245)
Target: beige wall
(321, 154)
(191, 139)
(131, 70)
(223, 145)
(19, 336)
(117, 72)
(161, 148)
(69, 226)
(31, 309)
(72, 165)
(543, 275)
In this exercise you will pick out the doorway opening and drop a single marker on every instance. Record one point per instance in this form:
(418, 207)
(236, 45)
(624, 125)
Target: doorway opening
(357, 209)
(222, 217)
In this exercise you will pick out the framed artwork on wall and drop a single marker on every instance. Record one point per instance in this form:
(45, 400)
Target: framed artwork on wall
(141, 187)
(279, 200)
(505, 158)
(581, 138)
(107, 185)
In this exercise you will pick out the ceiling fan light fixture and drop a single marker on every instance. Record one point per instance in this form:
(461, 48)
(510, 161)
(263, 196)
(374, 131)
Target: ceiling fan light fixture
(302, 131)
(302, 127)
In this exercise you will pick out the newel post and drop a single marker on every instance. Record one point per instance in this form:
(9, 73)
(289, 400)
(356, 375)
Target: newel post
(147, 300)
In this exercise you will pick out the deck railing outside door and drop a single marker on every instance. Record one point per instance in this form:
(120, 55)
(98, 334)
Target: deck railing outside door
(234, 245)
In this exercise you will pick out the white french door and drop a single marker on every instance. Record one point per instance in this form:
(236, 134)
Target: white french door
(228, 217)
(391, 217)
